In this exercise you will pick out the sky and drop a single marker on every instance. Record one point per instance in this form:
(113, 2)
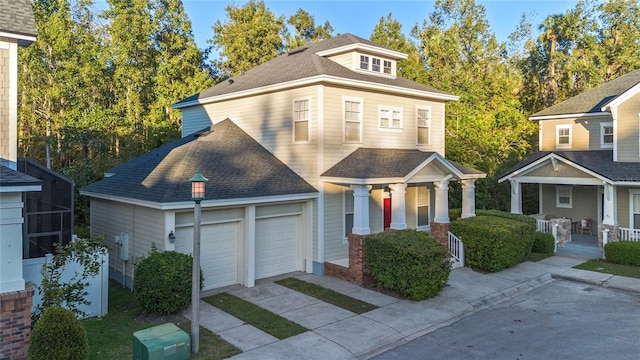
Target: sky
(359, 17)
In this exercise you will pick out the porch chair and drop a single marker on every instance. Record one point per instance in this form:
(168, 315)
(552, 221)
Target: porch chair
(585, 225)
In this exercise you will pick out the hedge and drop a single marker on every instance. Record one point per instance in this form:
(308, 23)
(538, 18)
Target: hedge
(58, 335)
(543, 243)
(496, 242)
(623, 252)
(408, 261)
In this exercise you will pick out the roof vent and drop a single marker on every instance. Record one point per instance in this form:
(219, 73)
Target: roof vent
(230, 81)
(298, 50)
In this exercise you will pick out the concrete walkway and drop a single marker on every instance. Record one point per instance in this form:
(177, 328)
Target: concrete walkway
(340, 334)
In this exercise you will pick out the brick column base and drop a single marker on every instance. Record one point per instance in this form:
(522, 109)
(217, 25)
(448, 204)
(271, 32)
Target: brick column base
(15, 323)
(357, 263)
(439, 232)
(613, 234)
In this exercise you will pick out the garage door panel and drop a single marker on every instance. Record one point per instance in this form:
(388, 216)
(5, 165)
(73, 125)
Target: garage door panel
(276, 246)
(218, 252)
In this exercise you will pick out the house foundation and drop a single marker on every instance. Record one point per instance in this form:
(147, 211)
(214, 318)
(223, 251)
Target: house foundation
(15, 323)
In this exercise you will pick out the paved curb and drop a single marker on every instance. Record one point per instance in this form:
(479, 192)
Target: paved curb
(607, 283)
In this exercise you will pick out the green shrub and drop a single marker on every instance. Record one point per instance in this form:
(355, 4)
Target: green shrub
(543, 243)
(58, 335)
(494, 243)
(623, 252)
(409, 262)
(455, 214)
(162, 282)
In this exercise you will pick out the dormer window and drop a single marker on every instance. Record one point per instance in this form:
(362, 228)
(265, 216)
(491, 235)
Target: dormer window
(606, 135)
(364, 62)
(387, 67)
(376, 65)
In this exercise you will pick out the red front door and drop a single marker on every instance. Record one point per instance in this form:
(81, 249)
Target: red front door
(387, 213)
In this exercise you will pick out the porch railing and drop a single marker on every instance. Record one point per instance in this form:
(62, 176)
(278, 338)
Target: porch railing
(628, 234)
(456, 248)
(543, 226)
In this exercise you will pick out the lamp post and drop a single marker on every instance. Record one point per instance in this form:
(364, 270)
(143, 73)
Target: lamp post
(197, 195)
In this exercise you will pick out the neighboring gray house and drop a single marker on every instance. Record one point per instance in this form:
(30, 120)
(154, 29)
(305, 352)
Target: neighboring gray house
(588, 165)
(320, 142)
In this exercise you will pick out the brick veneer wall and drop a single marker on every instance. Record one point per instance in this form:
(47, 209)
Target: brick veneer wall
(15, 323)
(439, 232)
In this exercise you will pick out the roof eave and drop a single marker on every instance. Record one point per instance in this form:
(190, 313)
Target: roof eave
(632, 91)
(569, 116)
(396, 55)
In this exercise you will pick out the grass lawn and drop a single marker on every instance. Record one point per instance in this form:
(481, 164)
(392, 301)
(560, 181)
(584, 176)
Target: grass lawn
(262, 319)
(111, 337)
(606, 267)
(327, 295)
(533, 257)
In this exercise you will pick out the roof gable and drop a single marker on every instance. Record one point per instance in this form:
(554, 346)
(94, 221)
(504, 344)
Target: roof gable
(236, 165)
(593, 101)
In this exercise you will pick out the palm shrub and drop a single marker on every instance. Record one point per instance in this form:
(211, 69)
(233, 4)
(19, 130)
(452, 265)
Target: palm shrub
(58, 335)
(162, 282)
(407, 261)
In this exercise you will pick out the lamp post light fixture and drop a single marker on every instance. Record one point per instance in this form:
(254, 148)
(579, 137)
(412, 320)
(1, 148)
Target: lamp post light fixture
(197, 195)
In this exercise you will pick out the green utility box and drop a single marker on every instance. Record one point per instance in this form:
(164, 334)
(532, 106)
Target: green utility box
(166, 342)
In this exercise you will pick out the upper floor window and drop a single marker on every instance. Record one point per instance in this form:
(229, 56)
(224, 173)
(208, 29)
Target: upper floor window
(352, 119)
(563, 136)
(390, 117)
(364, 62)
(375, 64)
(424, 124)
(301, 116)
(564, 197)
(387, 67)
(606, 134)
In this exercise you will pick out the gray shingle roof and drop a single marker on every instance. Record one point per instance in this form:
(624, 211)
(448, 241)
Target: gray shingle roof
(235, 165)
(367, 163)
(10, 177)
(16, 16)
(304, 63)
(593, 100)
(598, 161)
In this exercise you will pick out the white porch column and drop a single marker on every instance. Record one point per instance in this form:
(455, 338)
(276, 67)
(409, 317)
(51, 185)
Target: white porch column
(11, 278)
(516, 197)
(468, 198)
(398, 212)
(442, 201)
(250, 246)
(609, 206)
(361, 209)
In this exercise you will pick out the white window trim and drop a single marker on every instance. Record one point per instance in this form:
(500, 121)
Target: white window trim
(344, 120)
(429, 124)
(369, 70)
(564, 146)
(632, 192)
(391, 109)
(558, 203)
(346, 193)
(360, 62)
(293, 121)
(428, 226)
(602, 143)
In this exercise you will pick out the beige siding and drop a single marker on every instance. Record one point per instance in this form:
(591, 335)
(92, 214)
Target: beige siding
(345, 60)
(278, 210)
(623, 204)
(376, 210)
(628, 130)
(185, 218)
(585, 133)
(334, 224)
(585, 203)
(4, 104)
(268, 119)
(563, 171)
(334, 147)
(110, 219)
(194, 119)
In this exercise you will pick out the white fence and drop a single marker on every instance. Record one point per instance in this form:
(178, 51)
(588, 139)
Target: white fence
(543, 226)
(456, 248)
(98, 289)
(628, 234)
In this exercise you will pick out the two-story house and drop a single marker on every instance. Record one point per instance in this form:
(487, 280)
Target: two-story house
(320, 142)
(588, 163)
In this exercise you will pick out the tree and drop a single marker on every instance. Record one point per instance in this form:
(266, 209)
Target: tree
(306, 30)
(252, 35)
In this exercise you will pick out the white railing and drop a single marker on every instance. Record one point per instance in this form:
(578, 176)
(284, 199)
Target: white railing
(628, 234)
(543, 226)
(456, 248)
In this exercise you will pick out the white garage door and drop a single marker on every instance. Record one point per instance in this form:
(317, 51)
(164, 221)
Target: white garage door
(218, 252)
(276, 246)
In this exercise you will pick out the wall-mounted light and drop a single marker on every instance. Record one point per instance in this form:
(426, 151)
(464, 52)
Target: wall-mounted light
(172, 237)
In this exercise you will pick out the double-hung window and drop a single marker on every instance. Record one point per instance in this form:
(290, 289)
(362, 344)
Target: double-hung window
(423, 121)
(564, 197)
(348, 211)
(375, 64)
(606, 135)
(634, 209)
(352, 119)
(364, 62)
(563, 136)
(389, 117)
(423, 206)
(387, 67)
(301, 116)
